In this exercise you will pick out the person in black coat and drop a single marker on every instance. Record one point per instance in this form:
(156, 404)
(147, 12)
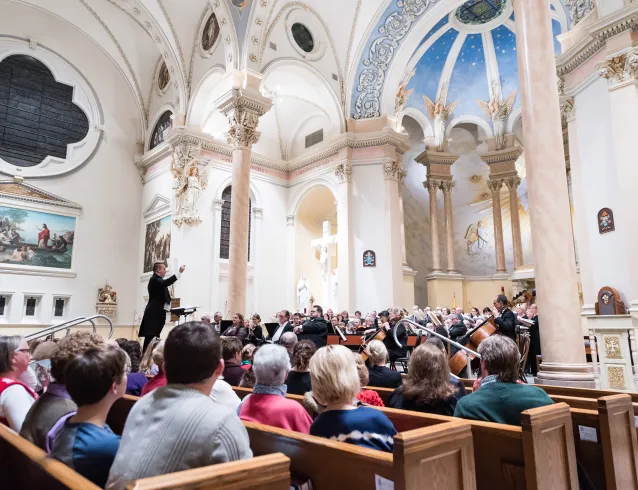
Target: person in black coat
(534, 340)
(506, 321)
(315, 329)
(159, 302)
(379, 374)
(285, 325)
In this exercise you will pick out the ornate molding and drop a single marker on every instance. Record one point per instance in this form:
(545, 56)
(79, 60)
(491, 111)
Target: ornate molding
(579, 9)
(502, 156)
(438, 158)
(243, 111)
(184, 152)
(393, 170)
(621, 67)
(343, 172)
(596, 37)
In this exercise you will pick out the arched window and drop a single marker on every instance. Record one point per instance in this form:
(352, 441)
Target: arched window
(224, 240)
(162, 128)
(37, 115)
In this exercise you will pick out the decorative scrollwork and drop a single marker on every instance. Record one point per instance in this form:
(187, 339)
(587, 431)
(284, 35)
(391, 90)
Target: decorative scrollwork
(343, 172)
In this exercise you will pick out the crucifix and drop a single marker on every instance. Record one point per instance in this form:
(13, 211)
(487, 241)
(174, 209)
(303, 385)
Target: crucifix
(325, 246)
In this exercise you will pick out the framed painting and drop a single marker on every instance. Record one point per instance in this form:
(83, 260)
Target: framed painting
(606, 221)
(157, 242)
(369, 258)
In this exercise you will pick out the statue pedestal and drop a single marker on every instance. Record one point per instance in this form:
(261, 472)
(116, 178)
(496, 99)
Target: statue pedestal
(109, 310)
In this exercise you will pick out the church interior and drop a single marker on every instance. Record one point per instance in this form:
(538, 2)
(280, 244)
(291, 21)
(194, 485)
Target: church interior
(362, 155)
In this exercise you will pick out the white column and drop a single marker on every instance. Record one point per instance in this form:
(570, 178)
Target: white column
(345, 246)
(579, 216)
(517, 241)
(446, 187)
(432, 187)
(216, 299)
(394, 174)
(621, 71)
(555, 269)
(291, 284)
(495, 187)
(256, 253)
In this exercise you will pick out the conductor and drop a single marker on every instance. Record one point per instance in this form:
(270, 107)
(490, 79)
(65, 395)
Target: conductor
(159, 303)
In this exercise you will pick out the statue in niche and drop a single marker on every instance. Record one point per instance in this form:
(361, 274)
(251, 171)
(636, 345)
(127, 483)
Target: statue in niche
(403, 94)
(303, 294)
(498, 111)
(187, 188)
(439, 113)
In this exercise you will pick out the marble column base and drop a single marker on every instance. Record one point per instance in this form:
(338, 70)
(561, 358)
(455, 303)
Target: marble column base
(501, 275)
(563, 374)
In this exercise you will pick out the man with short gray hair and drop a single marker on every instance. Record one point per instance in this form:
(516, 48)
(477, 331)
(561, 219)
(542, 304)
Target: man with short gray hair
(267, 404)
(288, 341)
(500, 398)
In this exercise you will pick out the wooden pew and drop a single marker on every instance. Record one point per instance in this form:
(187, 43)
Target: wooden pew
(500, 454)
(440, 453)
(25, 465)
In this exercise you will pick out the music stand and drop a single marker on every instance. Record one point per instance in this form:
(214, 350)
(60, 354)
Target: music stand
(224, 325)
(271, 328)
(183, 311)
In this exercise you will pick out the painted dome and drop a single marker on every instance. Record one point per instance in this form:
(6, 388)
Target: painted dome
(469, 57)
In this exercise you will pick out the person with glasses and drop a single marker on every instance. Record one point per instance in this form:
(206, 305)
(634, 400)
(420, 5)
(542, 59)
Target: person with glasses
(284, 326)
(16, 397)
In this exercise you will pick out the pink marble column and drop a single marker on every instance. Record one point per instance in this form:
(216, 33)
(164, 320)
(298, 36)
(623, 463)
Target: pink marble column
(447, 186)
(495, 187)
(433, 186)
(555, 269)
(517, 241)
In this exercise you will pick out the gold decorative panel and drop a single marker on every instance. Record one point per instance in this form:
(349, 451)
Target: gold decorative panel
(616, 377)
(612, 347)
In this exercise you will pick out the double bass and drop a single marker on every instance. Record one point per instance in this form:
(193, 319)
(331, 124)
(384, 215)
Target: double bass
(474, 337)
(380, 334)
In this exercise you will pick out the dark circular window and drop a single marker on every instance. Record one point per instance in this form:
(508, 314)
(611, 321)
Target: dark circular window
(210, 33)
(303, 37)
(476, 12)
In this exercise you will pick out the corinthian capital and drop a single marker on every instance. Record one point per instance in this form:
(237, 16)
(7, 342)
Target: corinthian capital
(513, 182)
(243, 111)
(343, 172)
(447, 185)
(494, 185)
(432, 185)
(394, 170)
(620, 68)
(184, 152)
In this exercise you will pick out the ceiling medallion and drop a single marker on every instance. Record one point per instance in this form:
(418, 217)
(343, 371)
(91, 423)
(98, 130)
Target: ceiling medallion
(477, 12)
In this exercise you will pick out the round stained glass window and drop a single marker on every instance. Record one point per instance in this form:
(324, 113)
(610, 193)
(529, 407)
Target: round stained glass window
(303, 37)
(476, 12)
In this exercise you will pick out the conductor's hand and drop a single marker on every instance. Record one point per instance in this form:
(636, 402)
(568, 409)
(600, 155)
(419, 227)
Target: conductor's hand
(182, 269)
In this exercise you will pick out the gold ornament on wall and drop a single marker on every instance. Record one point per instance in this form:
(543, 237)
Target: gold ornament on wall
(612, 347)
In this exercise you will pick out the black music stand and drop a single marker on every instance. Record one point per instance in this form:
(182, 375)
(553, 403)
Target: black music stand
(271, 328)
(224, 325)
(183, 311)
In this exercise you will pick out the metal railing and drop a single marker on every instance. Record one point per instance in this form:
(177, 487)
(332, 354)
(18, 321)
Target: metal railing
(467, 351)
(53, 329)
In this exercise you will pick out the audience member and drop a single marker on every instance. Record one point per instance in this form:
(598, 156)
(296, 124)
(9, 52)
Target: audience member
(16, 397)
(237, 329)
(147, 365)
(178, 427)
(95, 379)
(298, 380)
(121, 341)
(267, 404)
(136, 379)
(224, 395)
(247, 354)
(46, 415)
(459, 387)
(380, 375)
(157, 353)
(335, 385)
(315, 329)
(43, 351)
(231, 352)
(288, 341)
(248, 379)
(500, 398)
(368, 397)
(217, 321)
(427, 386)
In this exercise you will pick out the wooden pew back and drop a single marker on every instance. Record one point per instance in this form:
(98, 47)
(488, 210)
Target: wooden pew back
(270, 472)
(25, 465)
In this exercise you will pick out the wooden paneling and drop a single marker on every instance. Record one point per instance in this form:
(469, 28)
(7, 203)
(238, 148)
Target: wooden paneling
(37, 114)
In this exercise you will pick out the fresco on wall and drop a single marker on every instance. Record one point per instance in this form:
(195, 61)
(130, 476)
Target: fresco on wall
(157, 245)
(36, 238)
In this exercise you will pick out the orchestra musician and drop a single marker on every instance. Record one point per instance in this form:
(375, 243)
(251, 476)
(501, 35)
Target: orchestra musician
(506, 319)
(388, 322)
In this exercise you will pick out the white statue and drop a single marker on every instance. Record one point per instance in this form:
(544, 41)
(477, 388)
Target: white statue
(439, 113)
(187, 187)
(498, 111)
(303, 294)
(322, 245)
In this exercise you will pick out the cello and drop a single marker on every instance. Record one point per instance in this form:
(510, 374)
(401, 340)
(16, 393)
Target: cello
(380, 334)
(474, 337)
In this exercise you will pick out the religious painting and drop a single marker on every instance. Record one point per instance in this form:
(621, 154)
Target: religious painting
(606, 221)
(369, 259)
(475, 238)
(163, 77)
(157, 245)
(36, 238)
(210, 33)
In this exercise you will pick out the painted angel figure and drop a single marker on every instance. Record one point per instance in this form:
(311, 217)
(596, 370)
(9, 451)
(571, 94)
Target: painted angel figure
(498, 111)
(403, 94)
(439, 113)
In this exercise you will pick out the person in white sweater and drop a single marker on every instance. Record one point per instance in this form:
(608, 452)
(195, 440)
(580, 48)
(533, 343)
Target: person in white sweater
(178, 426)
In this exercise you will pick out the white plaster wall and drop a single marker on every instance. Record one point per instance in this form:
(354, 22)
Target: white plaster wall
(599, 176)
(108, 187)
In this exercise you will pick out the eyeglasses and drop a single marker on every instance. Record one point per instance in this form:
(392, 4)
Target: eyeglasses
(26, 351)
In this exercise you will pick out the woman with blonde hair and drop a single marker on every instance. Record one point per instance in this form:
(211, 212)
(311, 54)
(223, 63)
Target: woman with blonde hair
(427, 387)
(335, 386)
(380, 375)
(157, 357)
